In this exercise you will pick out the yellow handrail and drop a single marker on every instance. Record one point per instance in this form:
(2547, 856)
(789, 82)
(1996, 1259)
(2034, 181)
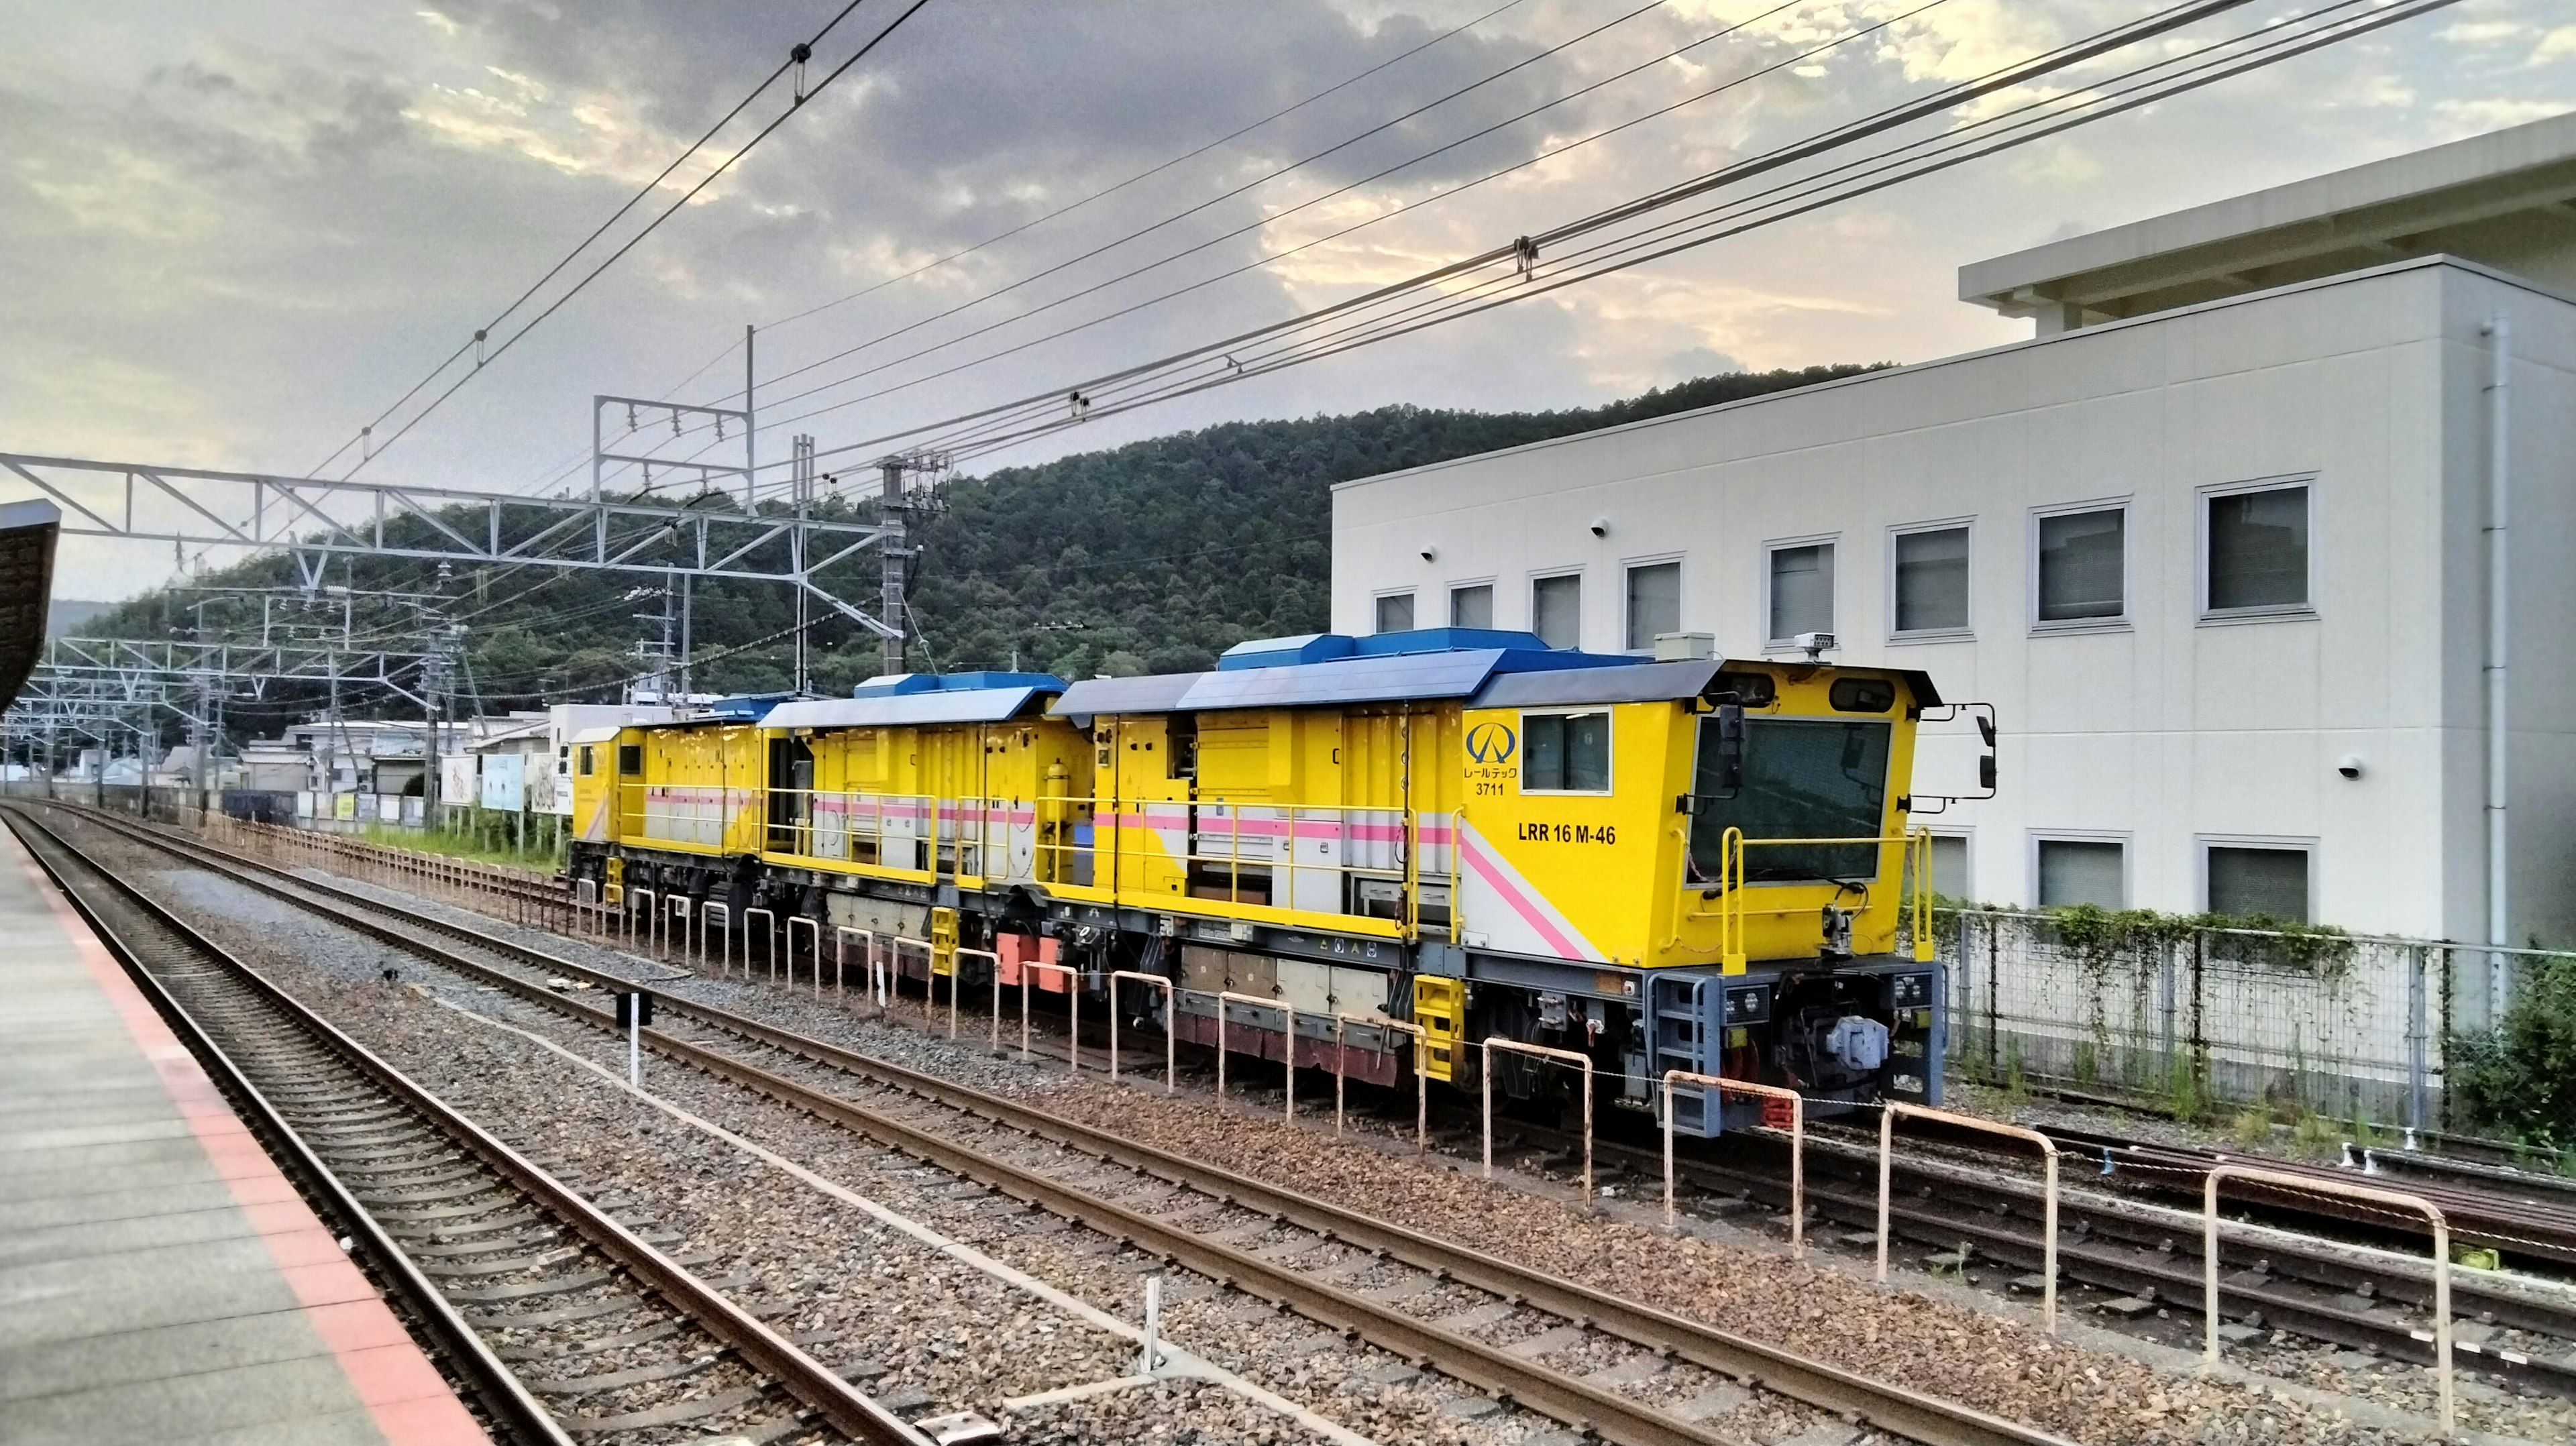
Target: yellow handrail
(1732, 957)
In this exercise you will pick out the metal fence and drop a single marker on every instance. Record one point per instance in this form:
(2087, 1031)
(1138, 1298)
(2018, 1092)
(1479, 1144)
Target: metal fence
(2200, 1017)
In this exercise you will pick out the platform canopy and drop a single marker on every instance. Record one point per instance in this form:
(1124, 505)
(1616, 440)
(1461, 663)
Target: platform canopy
(27, 532)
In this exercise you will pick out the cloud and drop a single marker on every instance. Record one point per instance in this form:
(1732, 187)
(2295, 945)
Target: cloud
(256, 227)
(2496, 112)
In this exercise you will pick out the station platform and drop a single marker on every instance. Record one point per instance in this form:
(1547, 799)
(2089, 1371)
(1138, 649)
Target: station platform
(160, 1279)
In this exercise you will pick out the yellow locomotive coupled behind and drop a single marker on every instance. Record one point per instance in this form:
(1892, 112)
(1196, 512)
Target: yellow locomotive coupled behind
(1371, 853)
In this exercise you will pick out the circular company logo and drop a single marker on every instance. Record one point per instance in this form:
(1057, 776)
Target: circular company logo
(1491, 743)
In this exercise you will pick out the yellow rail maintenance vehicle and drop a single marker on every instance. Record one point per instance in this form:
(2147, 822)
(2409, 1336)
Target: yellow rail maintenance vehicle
(1345, 844)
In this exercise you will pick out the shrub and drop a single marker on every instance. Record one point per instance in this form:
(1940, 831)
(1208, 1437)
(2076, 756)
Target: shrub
(2518, 1080)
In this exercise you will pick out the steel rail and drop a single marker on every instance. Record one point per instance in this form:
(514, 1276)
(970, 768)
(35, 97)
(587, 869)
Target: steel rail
(1883, 1406)
(818, 1386)
(496, 1388)
(2105, 1254)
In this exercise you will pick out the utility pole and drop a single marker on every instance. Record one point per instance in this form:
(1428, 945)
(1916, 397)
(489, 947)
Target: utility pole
(750, 430)
(803, 475)
(890, 597)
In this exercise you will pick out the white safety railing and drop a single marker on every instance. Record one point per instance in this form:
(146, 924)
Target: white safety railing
(724, 939)
(1223, 998)
(2367, 1194)
(2047, 1149)
(1797, 1143)
(644, 909)
(768, 943)
(612, 905)
(929, 977)
(1421, 1081)
(841, 959)
(1561, 1056)
(814, 951)
(1171, 1075)
(1073, 1002)
(585, 896)
(681, 908)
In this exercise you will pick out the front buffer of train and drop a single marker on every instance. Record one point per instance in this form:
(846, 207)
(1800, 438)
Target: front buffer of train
(1794, 968)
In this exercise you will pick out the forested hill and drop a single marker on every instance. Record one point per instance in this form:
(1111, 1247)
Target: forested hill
(1157, 556)
(1153, 556)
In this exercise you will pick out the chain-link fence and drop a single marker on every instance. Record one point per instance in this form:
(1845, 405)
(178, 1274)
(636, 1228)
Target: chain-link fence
(2192, 1017)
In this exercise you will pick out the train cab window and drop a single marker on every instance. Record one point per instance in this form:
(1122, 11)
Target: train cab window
(630, 760)
(1810, 778)
(1745, 690)
(586, 761)
(1565, 753)
(1183, 758)
(1862, 695)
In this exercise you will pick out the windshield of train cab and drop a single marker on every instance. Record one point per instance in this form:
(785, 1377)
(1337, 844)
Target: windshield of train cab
(1803, 778)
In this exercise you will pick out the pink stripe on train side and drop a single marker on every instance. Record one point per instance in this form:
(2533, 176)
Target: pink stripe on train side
(1530, 913)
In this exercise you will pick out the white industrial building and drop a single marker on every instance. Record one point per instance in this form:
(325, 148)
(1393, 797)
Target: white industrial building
(2214, 542)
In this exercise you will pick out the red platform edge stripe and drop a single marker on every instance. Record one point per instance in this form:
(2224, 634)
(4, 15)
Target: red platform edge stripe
(410, 1403)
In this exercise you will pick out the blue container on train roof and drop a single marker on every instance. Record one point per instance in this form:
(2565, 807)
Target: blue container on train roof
(896, 685)
(746, 707)
(1285, 652)
(1518, 652)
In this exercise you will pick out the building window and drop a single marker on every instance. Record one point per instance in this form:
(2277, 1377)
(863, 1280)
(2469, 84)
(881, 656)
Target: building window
(1654, 603)
(2083, 565)
(2257, 549)
(1472, 606)
(1565, 753)
(1931, 583)
(2245, 880)
(1949, 867)
(1556, 610)
(2083, 871)
(1802, 590)
(1395, 612)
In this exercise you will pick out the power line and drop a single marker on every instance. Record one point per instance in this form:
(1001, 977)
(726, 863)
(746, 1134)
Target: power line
(1149, 172)
(1011, 422)
(1785, 63)
(651, 226)
(1240, 189)
(1274, 218)
(795, 57)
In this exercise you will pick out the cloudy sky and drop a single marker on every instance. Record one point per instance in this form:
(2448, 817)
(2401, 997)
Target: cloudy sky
(234, 231)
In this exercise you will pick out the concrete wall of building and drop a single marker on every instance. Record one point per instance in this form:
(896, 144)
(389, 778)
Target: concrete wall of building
(2167, 729)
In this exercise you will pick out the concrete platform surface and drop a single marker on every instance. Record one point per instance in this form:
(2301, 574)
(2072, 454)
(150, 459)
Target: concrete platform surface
(160, 1280)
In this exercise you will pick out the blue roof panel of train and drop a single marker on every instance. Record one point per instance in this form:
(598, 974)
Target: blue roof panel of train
(895, 685)
(744, 707)
(1387, 668)
(1328, 647)
(985, 703)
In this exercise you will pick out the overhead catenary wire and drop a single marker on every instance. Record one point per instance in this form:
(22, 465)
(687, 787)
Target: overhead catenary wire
(555, 476)
(1273, 258)
(1019, 418)
(1147, 174)
(1239, 189)
(998, 435)
(654, 224)
(1787, 62)
(585, 243)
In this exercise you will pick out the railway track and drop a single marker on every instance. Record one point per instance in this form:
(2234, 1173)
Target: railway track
(563, 1323)
(2136, 1258)
(1349, 1272)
